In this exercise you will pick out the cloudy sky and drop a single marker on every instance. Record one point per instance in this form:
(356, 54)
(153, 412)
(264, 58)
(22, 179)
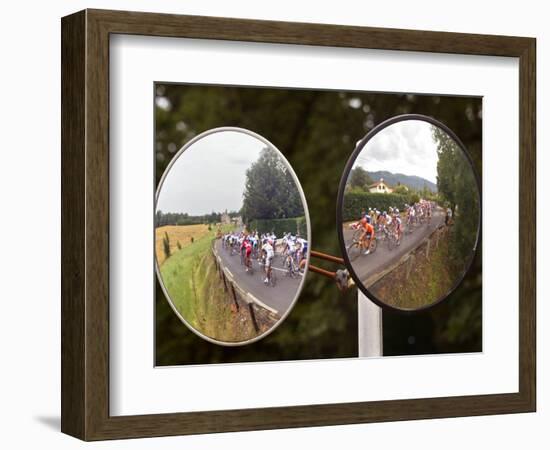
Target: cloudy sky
(210, 174)
(405, 147)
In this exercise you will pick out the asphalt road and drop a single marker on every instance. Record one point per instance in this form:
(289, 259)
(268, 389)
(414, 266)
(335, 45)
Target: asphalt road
(278, 297)
(365, 266)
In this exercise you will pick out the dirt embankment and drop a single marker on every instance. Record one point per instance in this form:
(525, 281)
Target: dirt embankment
(218, 311)
(247, 319)
(425, 277)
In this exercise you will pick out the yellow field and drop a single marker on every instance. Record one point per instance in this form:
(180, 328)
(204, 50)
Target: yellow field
(176, 233)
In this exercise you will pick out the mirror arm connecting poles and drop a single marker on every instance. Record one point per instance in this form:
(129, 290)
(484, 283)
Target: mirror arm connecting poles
(341, 276)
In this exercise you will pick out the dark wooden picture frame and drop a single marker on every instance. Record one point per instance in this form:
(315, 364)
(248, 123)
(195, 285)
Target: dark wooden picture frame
(85, 224)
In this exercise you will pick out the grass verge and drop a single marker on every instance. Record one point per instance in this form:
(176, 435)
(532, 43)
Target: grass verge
(197, 292)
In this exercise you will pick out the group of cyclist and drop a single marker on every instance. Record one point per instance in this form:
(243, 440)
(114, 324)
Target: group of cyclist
(390, 223)
(253, 245)
(420, 212)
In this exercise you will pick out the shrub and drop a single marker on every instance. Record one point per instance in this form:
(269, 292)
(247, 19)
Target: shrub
(355, 202)
(179, 245)
(166, 245)
(295, 225)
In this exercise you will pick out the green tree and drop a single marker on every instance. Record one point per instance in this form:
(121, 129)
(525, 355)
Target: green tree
(458, 187)
(401, 189)
(359, 178)
(158, 217)
(270, 191)
(166, 245)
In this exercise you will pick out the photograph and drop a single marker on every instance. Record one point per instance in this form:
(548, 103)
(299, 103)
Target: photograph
(410, 213)
(231, 236)
(239, 167)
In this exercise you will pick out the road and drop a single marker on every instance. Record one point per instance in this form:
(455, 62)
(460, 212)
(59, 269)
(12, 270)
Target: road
(365, 266)
(278, 297)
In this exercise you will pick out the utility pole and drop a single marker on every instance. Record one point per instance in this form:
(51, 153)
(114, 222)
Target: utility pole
(370, 327)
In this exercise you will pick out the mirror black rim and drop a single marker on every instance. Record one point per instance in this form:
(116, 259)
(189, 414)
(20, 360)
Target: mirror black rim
(340, 203)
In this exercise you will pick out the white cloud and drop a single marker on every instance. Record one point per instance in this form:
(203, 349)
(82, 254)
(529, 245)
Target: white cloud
(210, 174)
(405, 147)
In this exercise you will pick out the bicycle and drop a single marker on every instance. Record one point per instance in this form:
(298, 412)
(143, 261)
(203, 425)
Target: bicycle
(356, 234)
(291, 268)
(390, 238)
(409, 225)
(358, 246)
(248, 265)
(242, 253)
(271, 275)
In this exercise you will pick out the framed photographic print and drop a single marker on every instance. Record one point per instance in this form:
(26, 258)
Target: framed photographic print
(271, 224)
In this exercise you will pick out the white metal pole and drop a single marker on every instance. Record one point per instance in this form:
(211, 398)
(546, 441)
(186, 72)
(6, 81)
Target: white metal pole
(370, 327)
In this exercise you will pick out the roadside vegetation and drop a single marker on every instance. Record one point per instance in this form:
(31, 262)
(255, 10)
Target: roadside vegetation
(195, 288)
(430, 277)
(458, 190)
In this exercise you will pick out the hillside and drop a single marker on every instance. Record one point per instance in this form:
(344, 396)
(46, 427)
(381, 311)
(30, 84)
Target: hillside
(411, 181)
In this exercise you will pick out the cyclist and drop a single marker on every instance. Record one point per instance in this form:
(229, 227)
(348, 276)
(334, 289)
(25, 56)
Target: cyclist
(302, 265)
(243, 240)
(291, 246)
(388, 219)
(254, 243)
(247, 253)
(367, 234)
(448, 216)
(381, 220)
(373, 216)
(303, 250)
(398, 228)
(411, 214)
(267, 248)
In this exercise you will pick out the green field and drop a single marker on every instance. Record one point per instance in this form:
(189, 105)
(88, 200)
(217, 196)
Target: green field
(197, 292)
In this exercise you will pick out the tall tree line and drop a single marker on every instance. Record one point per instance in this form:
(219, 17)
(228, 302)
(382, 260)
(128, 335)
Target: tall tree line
(457, 186)
(171, 218)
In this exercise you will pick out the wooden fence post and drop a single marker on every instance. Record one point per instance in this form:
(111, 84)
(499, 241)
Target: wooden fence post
(234, 296)
(253, 317)
(224, 281)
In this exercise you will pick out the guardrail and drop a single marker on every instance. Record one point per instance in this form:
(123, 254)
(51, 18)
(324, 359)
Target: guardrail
(236, 292)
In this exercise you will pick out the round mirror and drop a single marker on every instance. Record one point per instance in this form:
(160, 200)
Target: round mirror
(409, 213)
(231, 236)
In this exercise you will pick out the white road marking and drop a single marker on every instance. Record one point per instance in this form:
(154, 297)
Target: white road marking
(284, 270)
(262, 304)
